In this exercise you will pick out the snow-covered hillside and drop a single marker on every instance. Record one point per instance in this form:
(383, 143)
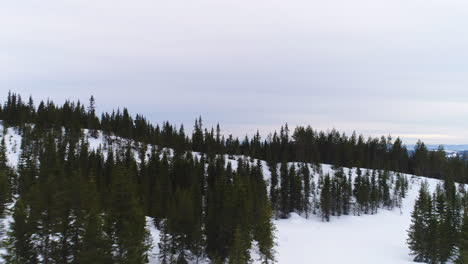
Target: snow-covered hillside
(371, 239)
(379, 238)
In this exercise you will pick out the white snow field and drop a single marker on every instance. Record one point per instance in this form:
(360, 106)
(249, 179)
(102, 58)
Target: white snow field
(369, 239)
(365, 239)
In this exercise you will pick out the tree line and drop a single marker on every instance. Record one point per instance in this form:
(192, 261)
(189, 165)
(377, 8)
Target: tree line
(304, 144)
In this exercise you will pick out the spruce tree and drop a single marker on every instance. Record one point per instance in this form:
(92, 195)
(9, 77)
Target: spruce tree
(274, 195)
(418, 232)
(95, 246)
(126, 219)
(164, 243)
(374, 194)
(307, 189)
(3, 151)
(265, 236)
(238, 254)
(285, 191)
(325, 199)
(357, 191)
(93, 121)
(463, 245)
(19, 245)
(4, 192)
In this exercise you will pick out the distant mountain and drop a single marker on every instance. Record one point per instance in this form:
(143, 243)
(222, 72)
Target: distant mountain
(451, 150)
(446, 147)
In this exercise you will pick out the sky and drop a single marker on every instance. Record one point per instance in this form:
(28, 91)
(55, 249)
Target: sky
(377, 67)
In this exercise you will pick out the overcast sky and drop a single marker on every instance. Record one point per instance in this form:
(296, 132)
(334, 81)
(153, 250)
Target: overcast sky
(395, 67)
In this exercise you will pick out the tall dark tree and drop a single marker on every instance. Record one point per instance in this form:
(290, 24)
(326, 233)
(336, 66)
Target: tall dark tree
(265, 235)
(419, 232)
(93, 121)
(238, 253)
(325, 199)
(19, 245)
(463, 245)
(126, 220)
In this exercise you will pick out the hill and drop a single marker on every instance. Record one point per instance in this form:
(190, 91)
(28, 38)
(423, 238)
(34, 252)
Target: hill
(367, 238)
(75, 188)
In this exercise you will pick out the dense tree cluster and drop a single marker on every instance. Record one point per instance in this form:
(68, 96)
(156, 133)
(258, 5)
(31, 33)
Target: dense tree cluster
(337, 194)
(438, 229)
(76, 204)
(304, 144)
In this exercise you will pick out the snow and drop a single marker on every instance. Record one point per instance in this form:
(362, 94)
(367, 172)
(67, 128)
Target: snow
(379, 238)
(371, 239)
(154, 238)
(13, 144)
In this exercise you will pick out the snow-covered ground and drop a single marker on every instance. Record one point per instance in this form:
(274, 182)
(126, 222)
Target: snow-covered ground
(366, 239)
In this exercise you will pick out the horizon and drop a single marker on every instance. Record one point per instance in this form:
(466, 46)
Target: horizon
(188, 128)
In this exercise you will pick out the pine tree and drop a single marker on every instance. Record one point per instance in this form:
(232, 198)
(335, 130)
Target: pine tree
(296, 190)
(95, 246)
(418, 232)
(3, 151)
(347, 193)
(443, 226)
(126, 219)
(357, 191)
(93, 121)
(4, 192)
(455, 208)
(19, 246)
(164, 243)
(238, 254)
(463, 245)
(325, 199)
(265, 236)
(285, 191)
(374, 194)
(365, 192)
(307, 190)
(274, 195)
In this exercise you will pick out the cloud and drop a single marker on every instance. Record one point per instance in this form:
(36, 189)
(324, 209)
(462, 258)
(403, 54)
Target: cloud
(375, 66)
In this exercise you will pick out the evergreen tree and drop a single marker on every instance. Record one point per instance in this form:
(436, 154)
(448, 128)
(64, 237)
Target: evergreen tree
(4, 192)
(419, 232)
(93, 121)
(3, 151)
(19, 246)
(358, 191)
(265, 236)
(126, 220)
(238, 253)
(307, 190)
(325, 199)
(463, 245)
(285, 191)
(274, 195)
(374, 194)
(96, 246)
(164, 243)
(296, 190)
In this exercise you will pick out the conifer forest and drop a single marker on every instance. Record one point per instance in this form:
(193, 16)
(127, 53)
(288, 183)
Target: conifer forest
(114, 188)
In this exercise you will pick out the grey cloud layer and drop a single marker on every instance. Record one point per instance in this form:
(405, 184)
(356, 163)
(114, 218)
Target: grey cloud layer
(375, 66)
